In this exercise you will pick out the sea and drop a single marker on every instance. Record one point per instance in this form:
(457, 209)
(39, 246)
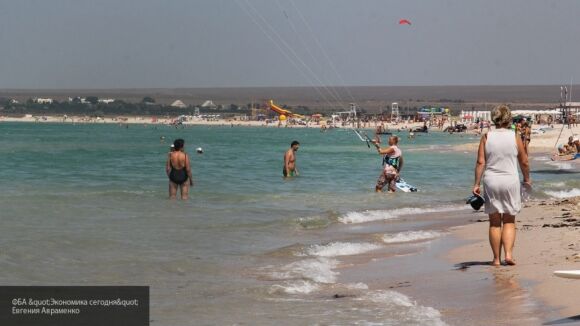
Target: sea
(87, 204)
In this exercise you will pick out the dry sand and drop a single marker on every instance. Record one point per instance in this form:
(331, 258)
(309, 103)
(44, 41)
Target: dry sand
(199, 122)
(548, 239)
(541, 143)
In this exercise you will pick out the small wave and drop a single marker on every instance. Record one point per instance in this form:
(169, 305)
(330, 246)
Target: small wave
(410, 236)
(541, 158)
(557, 184)
(297, 287)
(317, 270)
(314, 222)
(561, 165)
(335, 249)
(564, 193)
(407, 311)
(356, 286)
(369, 216)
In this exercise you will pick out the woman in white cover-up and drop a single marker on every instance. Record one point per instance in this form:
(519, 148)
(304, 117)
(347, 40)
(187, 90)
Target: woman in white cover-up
(498, 156)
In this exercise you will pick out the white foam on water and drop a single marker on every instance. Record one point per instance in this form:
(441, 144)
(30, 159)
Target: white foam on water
(541, 158)
(409, 236)
(335, 249)
(557, 184)
(408, 311)
(561, 165)
(369, 216)
(564, 193)
(356, 286)
(314, 269)
(296, 287)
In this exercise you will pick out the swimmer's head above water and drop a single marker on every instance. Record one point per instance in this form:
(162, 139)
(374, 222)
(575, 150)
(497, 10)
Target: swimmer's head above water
(178, 144)
(295, 145)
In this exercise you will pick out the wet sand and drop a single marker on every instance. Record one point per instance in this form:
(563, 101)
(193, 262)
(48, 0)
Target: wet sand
(547, 240)
(443, 273)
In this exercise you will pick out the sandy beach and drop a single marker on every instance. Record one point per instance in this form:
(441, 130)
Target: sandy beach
(194, 122)
(547, 240)
(540, 143)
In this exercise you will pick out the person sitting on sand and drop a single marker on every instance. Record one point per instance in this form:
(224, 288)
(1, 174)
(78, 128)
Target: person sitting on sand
(290, 169)
(392, 165)
(571, 147)
(178, 169)
(498, 156)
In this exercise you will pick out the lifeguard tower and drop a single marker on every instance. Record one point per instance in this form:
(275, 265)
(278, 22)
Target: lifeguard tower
(395, 115)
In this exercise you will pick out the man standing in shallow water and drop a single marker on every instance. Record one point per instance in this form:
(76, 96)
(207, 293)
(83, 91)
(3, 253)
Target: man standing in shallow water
(290, 169)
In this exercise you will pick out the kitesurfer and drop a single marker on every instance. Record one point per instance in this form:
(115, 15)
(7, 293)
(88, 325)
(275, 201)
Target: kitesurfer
(392, 165)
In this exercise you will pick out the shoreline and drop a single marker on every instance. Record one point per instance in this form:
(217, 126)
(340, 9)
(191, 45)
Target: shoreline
(197, 122)
(540, 143)
(546, 241)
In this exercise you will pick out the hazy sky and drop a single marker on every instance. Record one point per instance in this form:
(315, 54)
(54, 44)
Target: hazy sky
(207, 43)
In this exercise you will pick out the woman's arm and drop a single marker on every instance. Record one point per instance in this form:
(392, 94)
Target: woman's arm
(384, 151)
(400, 164)
(479, 165)
(188, 169)
(523, 160)
(168, 165)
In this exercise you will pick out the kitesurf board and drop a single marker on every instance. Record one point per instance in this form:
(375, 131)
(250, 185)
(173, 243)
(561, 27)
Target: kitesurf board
(574, 274)
(405, 187)
(567, 157)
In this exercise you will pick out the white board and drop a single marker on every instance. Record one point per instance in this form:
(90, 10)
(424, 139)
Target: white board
(575, 274)
(405, 187)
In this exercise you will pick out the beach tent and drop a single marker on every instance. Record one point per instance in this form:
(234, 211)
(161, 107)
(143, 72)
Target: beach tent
(178, 104)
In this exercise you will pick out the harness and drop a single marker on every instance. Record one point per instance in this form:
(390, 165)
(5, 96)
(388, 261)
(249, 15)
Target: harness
(392, 161)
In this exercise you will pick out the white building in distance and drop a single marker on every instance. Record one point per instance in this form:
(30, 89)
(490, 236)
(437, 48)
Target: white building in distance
(209, 104)
(178, 104)
(43, 100)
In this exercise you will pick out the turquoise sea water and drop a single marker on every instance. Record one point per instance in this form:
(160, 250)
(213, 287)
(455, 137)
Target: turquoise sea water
(87, 204)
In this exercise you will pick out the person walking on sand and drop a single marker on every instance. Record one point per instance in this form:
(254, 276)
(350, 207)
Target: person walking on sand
(290, 169)
(526, 135)
(178, 169)
(498, 156)
(392, 165)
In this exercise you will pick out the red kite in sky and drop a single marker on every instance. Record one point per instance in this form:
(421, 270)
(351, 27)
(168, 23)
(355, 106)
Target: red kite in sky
(404, 22)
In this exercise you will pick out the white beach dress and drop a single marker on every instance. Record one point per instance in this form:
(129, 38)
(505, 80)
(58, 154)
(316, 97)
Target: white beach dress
(501, 182)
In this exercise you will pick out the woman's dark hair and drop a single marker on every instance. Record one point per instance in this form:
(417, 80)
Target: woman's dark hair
(178, 143)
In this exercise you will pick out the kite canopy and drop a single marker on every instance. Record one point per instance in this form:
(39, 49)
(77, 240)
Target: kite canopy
(404, 22)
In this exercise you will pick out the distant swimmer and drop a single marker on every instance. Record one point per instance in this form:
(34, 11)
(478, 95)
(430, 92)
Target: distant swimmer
(392, 165)
(178, 169)
(290, 169)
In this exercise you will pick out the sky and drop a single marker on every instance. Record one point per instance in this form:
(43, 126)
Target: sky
(244, 43)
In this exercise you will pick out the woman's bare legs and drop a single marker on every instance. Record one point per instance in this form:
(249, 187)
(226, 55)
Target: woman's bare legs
(172, 190)
(495, 237)
(508, 237)
(185, 190)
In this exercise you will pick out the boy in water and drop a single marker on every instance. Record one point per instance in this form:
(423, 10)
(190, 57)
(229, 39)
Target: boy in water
(392, 162)
(290, 169)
